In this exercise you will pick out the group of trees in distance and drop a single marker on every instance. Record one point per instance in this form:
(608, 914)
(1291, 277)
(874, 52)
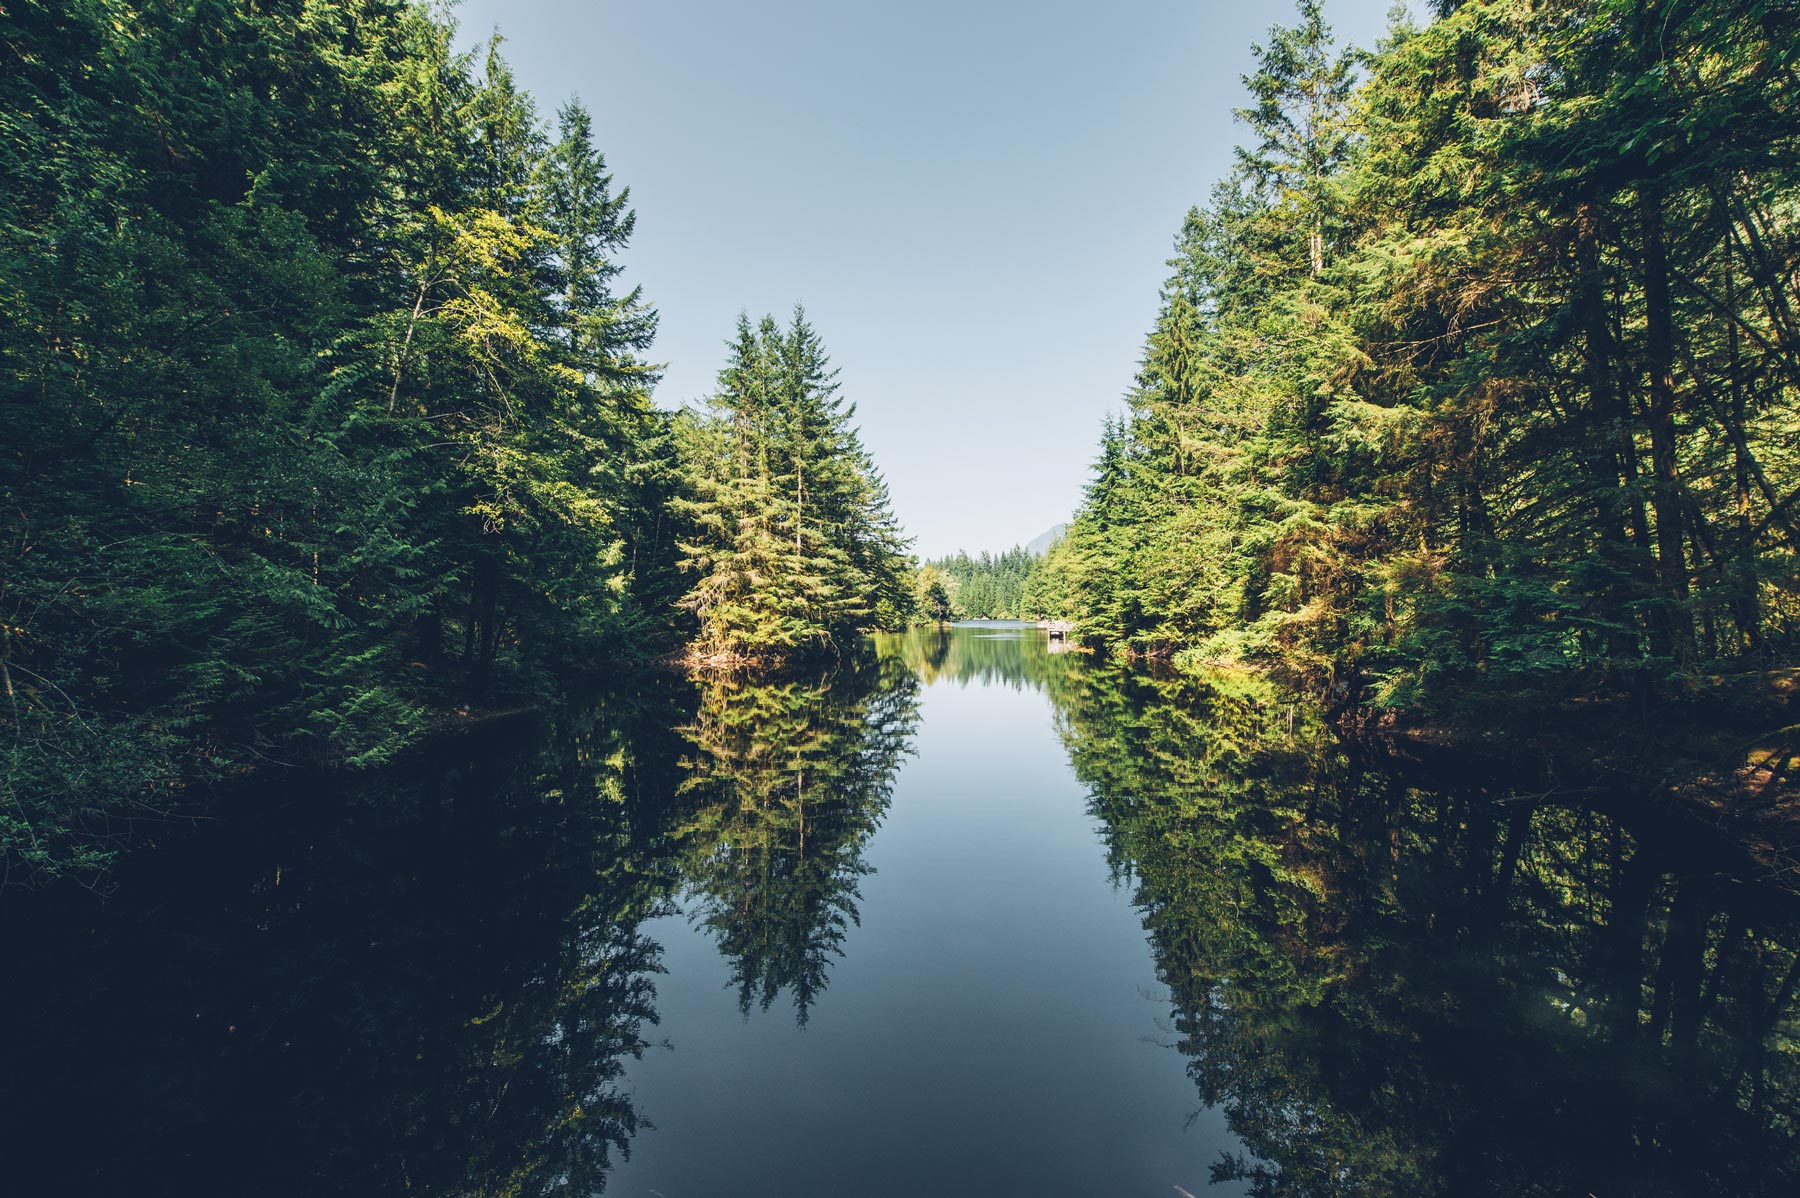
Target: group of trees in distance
(990, 586)
(327, 412)
(1478, 374)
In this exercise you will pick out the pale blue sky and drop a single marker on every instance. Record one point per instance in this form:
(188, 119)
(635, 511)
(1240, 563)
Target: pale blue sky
(974, 200)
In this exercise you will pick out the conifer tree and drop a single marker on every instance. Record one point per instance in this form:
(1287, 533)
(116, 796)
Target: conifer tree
(790, 530)
(1299, 118)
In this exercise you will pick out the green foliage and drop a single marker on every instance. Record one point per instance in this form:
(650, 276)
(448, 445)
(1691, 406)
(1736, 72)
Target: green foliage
(787, 524)
(934, 604)
(988, 587)
(1478, 376)
(323, 407)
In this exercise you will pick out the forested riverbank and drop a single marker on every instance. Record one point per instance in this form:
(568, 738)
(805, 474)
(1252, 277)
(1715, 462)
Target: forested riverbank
(1478, 375)
(1471, 397)
(549, 790)
(1471, 401)
(329, 413)
(985, 586)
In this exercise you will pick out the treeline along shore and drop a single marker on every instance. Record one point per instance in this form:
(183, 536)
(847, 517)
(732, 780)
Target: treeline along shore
(1470, 404)
(1477, 376)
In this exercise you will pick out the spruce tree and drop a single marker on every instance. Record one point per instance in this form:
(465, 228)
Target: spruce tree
(1516, 427)
(790, 532)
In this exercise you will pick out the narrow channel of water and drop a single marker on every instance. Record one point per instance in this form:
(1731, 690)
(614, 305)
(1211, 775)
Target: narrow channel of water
(964, 915)
(994, 1023)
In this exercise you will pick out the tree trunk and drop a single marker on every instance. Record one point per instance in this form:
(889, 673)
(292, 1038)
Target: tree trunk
(487, 577)
(1746, 603)
(1680, 972)
(1659, 344)
(406, 347)
(1612, 450)
(1634, 883)
(469, 621)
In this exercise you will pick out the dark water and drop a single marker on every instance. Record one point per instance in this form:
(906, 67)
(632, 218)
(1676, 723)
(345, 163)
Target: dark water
(962, 917)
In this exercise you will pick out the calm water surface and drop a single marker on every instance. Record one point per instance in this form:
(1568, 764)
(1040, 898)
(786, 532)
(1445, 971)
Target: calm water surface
(994, 1024)
(961, 916)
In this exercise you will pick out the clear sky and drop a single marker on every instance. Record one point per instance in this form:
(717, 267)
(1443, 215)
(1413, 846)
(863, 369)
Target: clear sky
(974, 200)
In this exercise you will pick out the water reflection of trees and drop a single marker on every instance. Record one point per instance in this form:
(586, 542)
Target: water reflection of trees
(434, 981)
(1015, 656)
(1401, 985)
(789, 780)
(1394, 983)
(429, 984)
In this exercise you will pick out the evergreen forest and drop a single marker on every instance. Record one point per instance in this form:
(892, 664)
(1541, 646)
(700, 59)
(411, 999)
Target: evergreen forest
(989, 586)
(542, 773)
(329, 414)
(1478, 378)
(331, 410)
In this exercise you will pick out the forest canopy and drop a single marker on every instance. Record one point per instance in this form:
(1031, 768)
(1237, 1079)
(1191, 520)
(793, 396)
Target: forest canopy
(988, 586)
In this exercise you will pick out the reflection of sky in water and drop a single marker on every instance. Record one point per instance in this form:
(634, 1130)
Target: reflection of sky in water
(993, 1025)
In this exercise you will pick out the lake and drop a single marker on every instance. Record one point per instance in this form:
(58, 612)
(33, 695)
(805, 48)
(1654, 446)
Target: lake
(965, 914)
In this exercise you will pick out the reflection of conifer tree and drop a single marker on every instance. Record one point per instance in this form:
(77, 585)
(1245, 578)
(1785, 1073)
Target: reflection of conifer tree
(1395, 986)
(792, 778)
(558, 1049)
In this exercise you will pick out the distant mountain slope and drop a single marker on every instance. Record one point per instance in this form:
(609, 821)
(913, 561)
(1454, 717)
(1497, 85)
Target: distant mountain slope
(1040, 544)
